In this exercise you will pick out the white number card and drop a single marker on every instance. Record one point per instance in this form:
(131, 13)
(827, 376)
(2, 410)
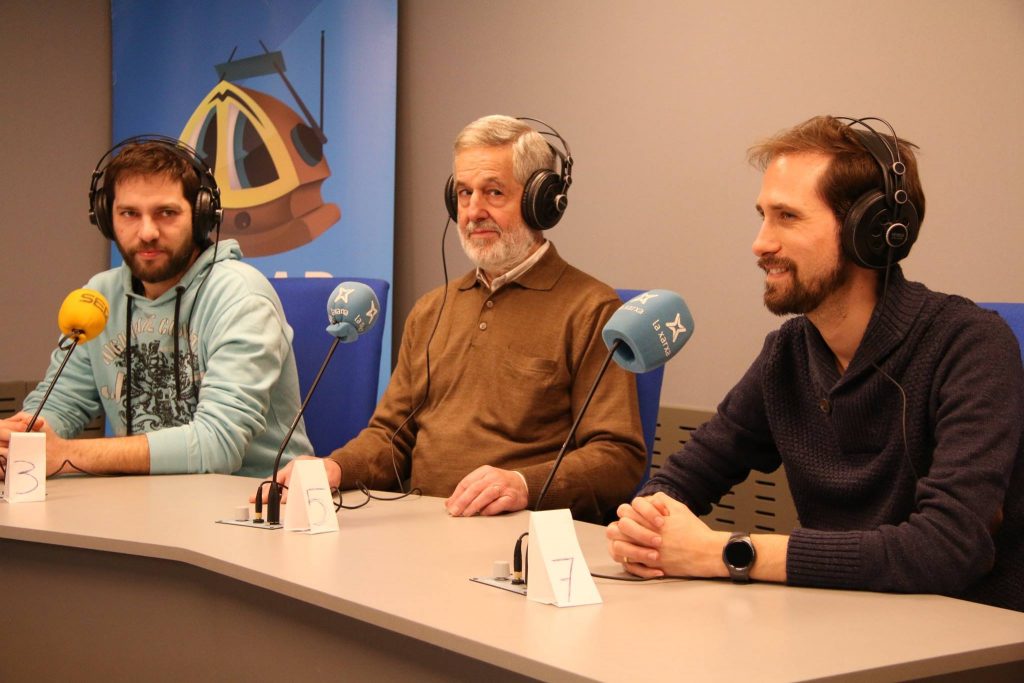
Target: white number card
(310, 506)
(558, 574)
(26, 468)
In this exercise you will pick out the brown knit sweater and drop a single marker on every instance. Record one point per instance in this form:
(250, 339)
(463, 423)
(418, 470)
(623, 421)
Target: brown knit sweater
(509, 370)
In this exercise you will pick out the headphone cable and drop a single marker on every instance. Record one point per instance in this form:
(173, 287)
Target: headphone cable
(426, 391)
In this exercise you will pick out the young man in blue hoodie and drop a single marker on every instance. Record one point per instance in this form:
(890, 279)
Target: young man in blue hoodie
(194, 370)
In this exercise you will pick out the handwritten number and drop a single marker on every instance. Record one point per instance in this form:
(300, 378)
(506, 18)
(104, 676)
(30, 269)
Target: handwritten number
(315, 499)
(567, 580)
(21, 476)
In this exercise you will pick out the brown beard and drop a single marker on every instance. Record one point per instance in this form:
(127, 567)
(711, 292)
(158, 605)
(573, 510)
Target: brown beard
(802, 297)
(177, 264)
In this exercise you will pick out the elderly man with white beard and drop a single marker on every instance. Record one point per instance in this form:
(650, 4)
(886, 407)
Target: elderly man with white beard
(494, 367)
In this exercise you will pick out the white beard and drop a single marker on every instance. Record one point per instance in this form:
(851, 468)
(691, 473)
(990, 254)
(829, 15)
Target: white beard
(503, 254)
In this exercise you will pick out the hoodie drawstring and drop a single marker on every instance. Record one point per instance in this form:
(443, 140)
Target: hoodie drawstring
(128, 366)
(179, 290)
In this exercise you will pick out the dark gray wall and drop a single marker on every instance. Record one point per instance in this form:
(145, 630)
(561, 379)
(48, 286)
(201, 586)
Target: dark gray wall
(659, 100)
(55, 122)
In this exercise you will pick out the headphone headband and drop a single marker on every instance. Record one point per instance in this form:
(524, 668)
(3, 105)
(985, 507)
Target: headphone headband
(564, 157)
(206, 210)
(881, 225)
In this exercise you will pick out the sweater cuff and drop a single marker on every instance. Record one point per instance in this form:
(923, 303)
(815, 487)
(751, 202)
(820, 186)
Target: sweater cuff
(824, 559)
(535, 477)
(168, 451)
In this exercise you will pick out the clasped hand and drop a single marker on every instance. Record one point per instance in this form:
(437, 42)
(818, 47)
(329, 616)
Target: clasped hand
(658, 536)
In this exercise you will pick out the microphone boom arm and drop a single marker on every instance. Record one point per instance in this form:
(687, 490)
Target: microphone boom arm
(576, 424)
(39, 409)
(274, 496)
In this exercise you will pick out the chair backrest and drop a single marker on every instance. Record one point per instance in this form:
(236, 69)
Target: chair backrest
(648, 387)
(1013, 314)
(347, 394)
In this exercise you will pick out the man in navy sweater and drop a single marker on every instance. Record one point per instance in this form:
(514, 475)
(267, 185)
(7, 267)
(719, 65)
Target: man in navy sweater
(897, 411)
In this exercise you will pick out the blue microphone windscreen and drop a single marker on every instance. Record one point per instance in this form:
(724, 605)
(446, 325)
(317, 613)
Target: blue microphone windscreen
(652, 327)
(352, 309)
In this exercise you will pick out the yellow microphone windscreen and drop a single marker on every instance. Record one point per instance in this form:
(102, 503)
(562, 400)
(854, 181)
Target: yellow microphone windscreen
(83, 315)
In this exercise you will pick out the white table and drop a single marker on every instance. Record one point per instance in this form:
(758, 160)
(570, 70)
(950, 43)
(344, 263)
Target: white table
(130, 578)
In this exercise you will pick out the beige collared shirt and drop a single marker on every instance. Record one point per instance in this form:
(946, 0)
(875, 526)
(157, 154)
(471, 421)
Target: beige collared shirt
(515, 273)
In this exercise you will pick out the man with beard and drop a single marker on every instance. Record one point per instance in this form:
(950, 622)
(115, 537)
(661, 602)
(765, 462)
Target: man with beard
(494, 367)
(194, 370)
(896, 410)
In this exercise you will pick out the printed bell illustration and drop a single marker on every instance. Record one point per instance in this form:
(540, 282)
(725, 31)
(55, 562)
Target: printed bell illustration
(268, 161)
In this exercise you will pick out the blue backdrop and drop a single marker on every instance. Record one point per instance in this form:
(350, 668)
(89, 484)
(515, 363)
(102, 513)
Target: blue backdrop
(213, 69)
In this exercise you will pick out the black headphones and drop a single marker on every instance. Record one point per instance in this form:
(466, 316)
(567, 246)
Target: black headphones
(544, 194)
(206, 212)
(881, 226)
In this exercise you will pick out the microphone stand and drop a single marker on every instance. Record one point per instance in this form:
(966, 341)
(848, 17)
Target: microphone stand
(576, 424)
(517, 554)
(274, 496)
(74, 344)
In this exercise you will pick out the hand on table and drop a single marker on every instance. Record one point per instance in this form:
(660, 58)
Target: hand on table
(19, 423)
(488, 491)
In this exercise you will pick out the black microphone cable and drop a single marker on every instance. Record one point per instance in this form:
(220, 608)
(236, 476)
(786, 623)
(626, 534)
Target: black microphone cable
(193, 363)
(886, 375)
(370, 495)
(519, 561)
(426, 390)
(59, 470)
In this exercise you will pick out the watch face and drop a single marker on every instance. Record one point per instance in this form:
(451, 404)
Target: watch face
(739, 554)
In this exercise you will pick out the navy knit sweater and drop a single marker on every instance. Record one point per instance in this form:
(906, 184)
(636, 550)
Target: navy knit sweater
(907, 470)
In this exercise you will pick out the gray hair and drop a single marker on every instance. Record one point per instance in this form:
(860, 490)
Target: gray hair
(530, 151)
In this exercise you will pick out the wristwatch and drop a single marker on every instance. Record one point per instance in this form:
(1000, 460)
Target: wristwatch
(739, 556)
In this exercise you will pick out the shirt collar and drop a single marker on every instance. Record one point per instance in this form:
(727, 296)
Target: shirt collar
(515, 273)
(890, 323)
(543, 276)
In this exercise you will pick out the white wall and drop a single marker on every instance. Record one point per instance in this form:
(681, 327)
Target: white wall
(660, 99)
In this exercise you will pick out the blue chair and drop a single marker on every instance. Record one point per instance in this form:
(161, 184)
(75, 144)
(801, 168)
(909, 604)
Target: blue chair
(1013, 314)
(347, 394)
(648, 387)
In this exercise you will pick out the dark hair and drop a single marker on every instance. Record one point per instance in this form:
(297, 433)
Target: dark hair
(152, 158)
(852, 170)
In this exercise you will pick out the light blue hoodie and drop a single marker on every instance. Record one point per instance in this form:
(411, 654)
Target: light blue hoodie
(237, 388)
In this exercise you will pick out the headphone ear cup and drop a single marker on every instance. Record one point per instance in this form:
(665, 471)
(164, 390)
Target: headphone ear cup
(869, 231)
(99, 214)
(864, 231)
(451, 199)
(544, 200)
(203, 217)
(901, 240)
